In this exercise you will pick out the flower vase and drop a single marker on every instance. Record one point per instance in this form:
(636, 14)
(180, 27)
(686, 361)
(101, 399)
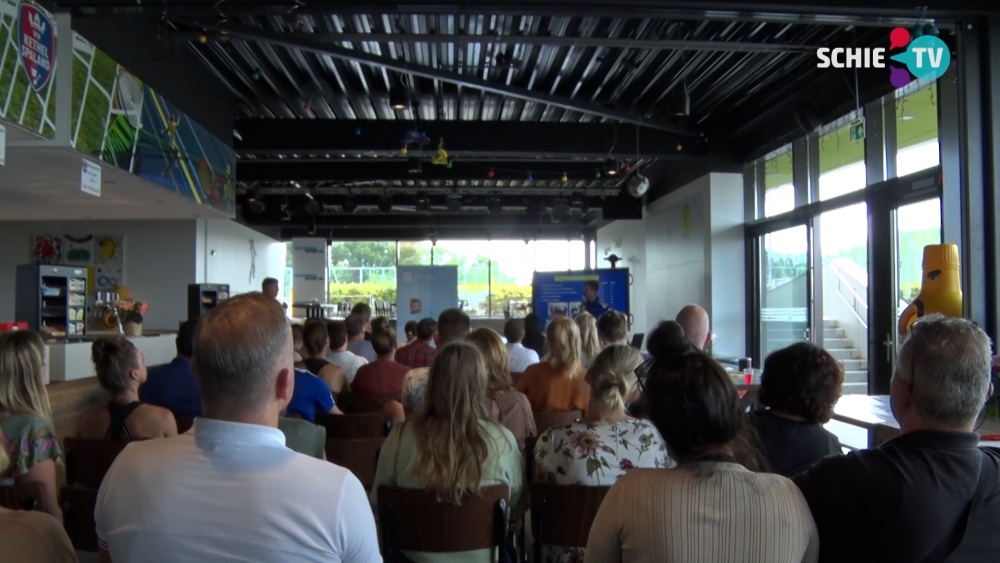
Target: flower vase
(132, 329)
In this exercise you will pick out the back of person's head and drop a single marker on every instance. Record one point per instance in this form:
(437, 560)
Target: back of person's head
(802, 379)
(240, 347)
(450, 449)
(337, 331)
(947, 364)
(411, 330)
(297, 332)
(355, 325)
(694, 319)
(379, 324)
(22, 363)
(590, 344)
(668, 340)
(495, 355)
(114, 357)
(185, 339)
(384, 340)
(612, 377)
(613, 327)
(513, 331)
(532, 324)
(563, 338)
(315, 336)
(362, 310)
(267, 284)
(592, 285)
(453, 325)
(426, 329)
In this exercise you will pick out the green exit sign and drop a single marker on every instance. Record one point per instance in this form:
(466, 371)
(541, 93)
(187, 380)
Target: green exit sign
(858, 131)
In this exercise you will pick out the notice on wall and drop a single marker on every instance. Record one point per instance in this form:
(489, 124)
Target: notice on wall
(425, 291)
(310, 267)
(3, 145)
(90, 178)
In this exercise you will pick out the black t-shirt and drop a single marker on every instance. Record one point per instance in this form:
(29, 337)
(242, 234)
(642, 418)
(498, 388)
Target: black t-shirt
(792, 446)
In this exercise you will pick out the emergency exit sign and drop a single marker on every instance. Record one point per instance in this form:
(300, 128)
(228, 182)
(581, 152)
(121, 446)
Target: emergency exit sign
(858, 131)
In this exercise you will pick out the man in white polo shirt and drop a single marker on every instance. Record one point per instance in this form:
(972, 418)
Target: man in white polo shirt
(230, 490)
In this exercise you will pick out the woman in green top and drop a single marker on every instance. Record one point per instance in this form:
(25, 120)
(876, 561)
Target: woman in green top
(453, 447)
(26, 432)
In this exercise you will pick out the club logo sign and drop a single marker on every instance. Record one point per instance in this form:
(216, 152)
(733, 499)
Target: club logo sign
(36, 44)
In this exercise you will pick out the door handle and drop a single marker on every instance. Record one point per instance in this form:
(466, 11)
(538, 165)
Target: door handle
(888, 348)
(805, 333)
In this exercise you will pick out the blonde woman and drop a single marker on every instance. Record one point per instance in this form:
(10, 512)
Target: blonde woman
(27, 435)
(558, 383)
(510, 407)
(453, 447)
(590, 344)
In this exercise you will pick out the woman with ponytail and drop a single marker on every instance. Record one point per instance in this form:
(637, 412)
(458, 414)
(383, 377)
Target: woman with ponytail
(607, 444)
(120, 371)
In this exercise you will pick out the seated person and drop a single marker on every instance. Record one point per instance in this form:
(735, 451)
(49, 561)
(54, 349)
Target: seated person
(311, 395)
(520, 357)
(298, 344)
(31, 536)
(800, 384)
(317, 343)
(558, 383)
(510, 407)
(173, 386)
(120, 371)
(453, 447)
(419, 353)
(694, 319)
(931, 494)
(713, 506)
(452, 325)
(338, 354)
(358, 326)
(612, 328)
(410, 330)
(303, 436)
(383, 376)
(590, 344)
(230, 489)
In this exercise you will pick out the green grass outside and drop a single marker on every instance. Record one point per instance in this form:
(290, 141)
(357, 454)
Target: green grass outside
(95, 112)
(103, 70)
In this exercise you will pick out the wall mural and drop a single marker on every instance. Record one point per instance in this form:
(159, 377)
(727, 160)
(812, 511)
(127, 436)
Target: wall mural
(27, 67)
(103, 255)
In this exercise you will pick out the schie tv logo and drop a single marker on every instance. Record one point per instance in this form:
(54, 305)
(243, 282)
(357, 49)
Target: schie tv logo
(926, 57)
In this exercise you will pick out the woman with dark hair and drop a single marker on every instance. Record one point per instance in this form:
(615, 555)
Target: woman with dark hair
(801, 384)
(534, 334)
(713, 506)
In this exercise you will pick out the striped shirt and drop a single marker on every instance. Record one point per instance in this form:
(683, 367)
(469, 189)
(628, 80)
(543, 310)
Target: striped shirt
(703, 512)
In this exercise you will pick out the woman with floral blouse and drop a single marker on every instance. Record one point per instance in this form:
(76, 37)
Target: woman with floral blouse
(608, 443)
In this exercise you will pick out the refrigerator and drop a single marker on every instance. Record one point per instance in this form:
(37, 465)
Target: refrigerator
(52, 299)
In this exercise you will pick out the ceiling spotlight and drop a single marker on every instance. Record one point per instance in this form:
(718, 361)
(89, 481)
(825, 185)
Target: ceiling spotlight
(454, 203)
(683, 107)
(416, 166)
(611, 167)
(349, 205)
(398, 98)
(312, 227)
(494, 206)
(312, 206)
(286, 214)
(385, 204)
(256, 205)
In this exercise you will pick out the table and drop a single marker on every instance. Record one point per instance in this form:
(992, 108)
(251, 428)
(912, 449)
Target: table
(70, 360)
(874, 413)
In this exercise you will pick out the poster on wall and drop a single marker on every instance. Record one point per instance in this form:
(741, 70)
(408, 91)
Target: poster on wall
(425, 291)
(561, 294)
(102, 254)
(47, 249)
(310, 267)
(78, 251)
(109, 262)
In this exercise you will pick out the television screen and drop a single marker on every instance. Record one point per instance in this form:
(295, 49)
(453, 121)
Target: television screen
(560, 294)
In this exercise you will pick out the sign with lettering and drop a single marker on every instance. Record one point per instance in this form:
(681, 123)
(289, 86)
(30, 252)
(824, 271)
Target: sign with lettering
(36, 45)
(90, 178)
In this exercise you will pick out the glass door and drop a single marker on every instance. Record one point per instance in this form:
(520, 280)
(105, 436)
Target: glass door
(917, 225)
(785, 289)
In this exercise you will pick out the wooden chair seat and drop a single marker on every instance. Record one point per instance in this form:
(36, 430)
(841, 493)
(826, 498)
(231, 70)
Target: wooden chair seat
(562, 514)
(27, 496)
(353, 426)
(414, 520)
(359, 456)
(548, 419)
(360, 403)
(87, 461)
(78, 517)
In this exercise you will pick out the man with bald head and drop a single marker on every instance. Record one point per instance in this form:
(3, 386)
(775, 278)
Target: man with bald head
(694, 320)
(230, 488)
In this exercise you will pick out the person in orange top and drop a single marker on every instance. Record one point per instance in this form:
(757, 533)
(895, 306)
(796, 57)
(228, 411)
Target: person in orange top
(557, 383)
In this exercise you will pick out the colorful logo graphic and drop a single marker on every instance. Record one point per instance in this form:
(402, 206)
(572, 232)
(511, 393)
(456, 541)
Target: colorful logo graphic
(36, 45)
(926, 57)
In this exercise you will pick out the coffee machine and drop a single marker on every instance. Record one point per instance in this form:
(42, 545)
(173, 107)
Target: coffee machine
(203, 297)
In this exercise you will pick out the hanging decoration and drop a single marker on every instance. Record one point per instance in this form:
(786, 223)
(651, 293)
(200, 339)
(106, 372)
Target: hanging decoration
(490, 173)
(441, 158)
(565, 178)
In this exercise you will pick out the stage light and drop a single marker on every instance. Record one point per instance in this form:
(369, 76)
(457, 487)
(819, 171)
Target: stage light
(611, 167)
(385, 204)
(398, 98)
(349, 205)
(454, 203)
(312, 206)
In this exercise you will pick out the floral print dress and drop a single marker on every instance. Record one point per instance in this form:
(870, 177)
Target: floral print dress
(595, 454)
(28, 439)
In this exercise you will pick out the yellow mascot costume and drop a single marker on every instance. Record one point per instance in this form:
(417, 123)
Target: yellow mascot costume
(940, 288)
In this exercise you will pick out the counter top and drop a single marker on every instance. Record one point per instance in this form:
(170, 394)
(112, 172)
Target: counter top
(68, 361)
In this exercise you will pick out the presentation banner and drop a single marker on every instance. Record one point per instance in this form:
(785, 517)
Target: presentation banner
(310, 267)
(425, 291)
(560, 294)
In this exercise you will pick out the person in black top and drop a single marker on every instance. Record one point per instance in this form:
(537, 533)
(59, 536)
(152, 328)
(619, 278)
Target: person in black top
(316, 339)
(931, 494)
(534, 334)
(800, 384)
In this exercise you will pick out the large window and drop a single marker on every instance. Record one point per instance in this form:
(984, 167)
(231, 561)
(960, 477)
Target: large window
(779, 192)
(841, 161)
(362, 270)
(917, 131)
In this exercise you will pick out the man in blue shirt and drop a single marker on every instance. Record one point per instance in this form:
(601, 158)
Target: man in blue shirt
(310, 396)
(172, 386)
(591, 303)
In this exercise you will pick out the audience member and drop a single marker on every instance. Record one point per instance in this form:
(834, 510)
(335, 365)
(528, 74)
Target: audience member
(383, 376)
(172, 386)
(230, 489)
(311, 395)
(317, 344)
(356, 343)
(800, 384)
(419, 353)
(590, 344)
(339, 355)
(27, 435)
(511, 408)
(297, 342)
(694, 320)
(452, 448)
(120, 371)
(379, 324)
(604, 447)
(364, 311)
(520, 357)
(411, 331)
(668, 337)
(31, 536)
(930, 494)
(270, 287)
(711, 507)
(453, 325)
(612, 328)
(303, 436)
(591, 302)
(534, 334)
(558, 382)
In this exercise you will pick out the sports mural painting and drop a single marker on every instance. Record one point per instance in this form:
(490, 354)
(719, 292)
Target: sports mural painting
(28, 67)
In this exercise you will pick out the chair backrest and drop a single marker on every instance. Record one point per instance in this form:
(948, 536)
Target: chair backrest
(184, 422)
(88, 460)
(529, 458)
(26, 496)
(353, 426)
(562, 514)
(414, 520)
(359, 456)
(548, 419)
(78, 517)
(360, 403)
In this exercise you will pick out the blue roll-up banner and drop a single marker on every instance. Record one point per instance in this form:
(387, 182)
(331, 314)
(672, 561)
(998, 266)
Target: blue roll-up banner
(425, 291)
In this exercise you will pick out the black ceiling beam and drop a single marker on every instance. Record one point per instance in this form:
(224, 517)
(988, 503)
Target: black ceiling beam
(504, 139)
(401, 220)
(481, 232)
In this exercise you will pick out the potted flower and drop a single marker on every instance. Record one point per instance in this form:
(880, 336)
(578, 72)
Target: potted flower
(130, 313)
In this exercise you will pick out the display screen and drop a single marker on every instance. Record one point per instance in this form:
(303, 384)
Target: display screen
(560, 294)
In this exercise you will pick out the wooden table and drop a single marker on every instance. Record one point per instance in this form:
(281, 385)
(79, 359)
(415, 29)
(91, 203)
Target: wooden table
(873, 413)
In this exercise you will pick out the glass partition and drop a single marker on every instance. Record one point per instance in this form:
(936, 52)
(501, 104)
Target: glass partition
(841, 163)
(917, 131)
(779, 192)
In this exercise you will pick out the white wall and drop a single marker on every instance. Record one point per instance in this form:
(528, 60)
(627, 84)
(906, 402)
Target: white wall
(225, 257)
(728, 272)
(627, 239)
